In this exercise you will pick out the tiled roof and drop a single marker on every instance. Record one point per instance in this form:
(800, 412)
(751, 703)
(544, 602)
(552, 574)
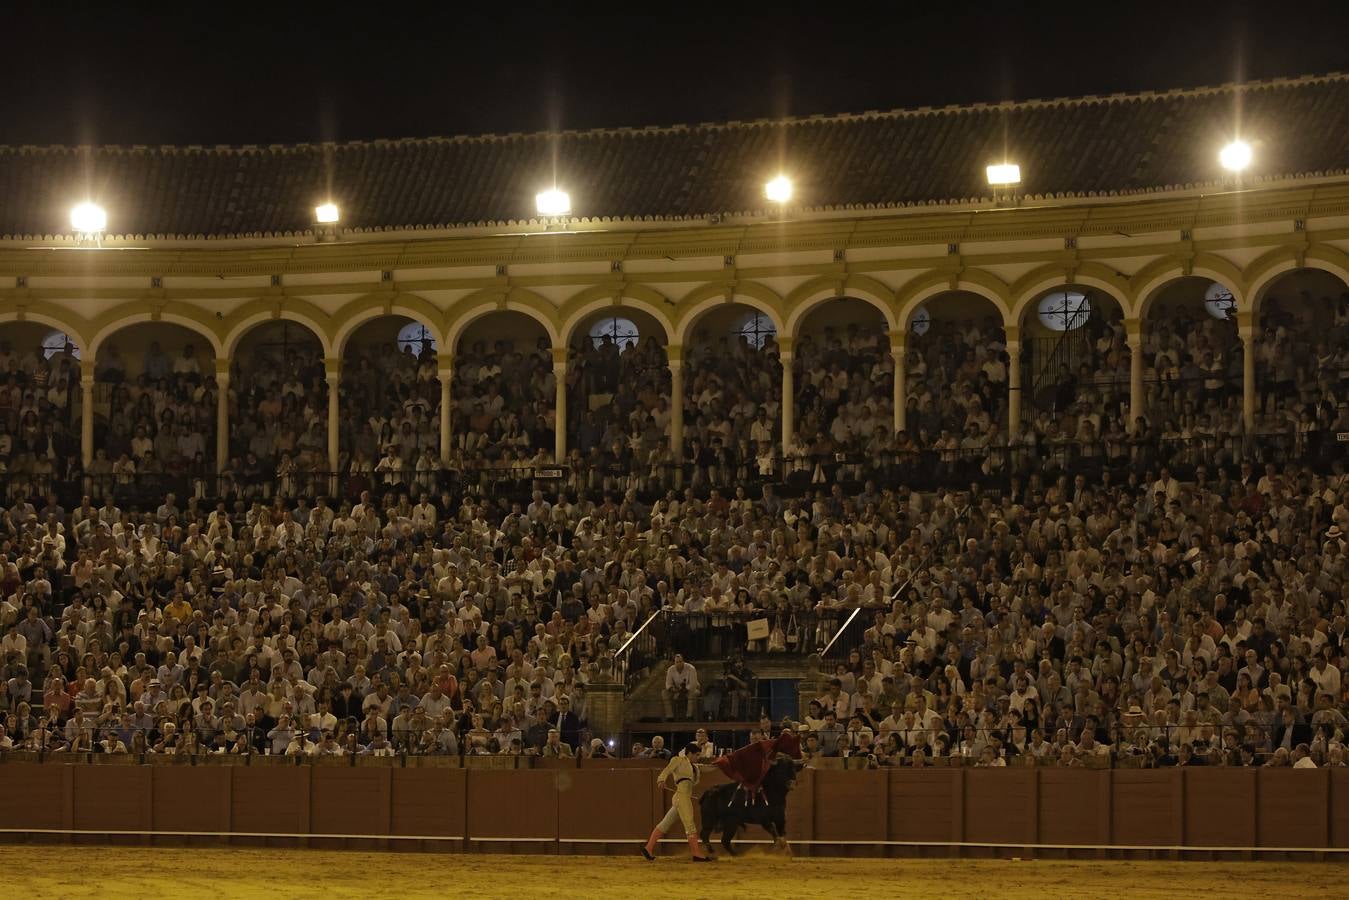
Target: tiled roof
(1119, 144)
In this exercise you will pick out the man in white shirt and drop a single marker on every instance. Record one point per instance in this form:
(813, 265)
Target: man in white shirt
(681, 681)
(1326, 676)
(836, 700)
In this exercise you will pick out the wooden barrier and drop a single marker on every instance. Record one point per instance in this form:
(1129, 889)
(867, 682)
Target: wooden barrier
(606, 807)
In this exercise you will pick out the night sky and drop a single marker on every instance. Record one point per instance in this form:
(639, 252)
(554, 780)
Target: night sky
(237, 74)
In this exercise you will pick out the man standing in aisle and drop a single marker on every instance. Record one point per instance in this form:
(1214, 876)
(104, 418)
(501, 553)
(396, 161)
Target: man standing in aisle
(683, 770)
(681, 682)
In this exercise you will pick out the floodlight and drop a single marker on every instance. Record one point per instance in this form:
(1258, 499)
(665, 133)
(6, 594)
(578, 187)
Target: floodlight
(1235, 156)
(88, 218)
(779, 190)
(553, 202)
(1004, 174)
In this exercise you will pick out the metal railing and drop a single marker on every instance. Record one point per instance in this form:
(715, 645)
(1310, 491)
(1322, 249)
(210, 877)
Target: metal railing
(1118, 745)
(637, 653)
(792, 475)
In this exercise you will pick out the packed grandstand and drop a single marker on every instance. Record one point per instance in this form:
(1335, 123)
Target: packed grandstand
(1120, 542)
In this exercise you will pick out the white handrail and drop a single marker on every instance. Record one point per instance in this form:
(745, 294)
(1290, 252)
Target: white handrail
(635, 634)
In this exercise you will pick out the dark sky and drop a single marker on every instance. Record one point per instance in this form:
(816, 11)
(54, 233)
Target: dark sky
(108, 73)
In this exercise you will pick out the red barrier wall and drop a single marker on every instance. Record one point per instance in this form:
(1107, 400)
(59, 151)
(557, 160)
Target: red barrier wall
(604, 808)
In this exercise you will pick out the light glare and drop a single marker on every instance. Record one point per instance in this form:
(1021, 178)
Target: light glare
(553, 202)
(779, 190)
(88, 218)
(325, 214)
(1235, 156)
(1003, 174)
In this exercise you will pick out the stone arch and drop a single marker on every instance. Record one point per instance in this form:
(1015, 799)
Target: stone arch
(974, 281)
(1029, 288)
(374, 306)
(192, 319)
(577, 308)
(254, 313)
(1264, 271)
(803, 299)
(1156, 276)
(476, 305)
(752, 294)
(53, 317)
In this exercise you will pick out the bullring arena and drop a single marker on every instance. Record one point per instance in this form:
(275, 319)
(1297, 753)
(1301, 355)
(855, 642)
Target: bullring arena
(394, 523)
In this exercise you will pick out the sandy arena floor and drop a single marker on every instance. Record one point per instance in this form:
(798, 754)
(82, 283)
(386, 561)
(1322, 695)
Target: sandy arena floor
(135, 872)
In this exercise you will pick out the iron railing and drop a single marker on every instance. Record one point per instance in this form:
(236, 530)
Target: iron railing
(792, 475)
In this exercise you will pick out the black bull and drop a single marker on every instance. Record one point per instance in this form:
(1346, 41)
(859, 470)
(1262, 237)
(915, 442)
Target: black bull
(727, 808)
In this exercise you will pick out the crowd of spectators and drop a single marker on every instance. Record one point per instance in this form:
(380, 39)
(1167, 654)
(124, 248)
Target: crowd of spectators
(1128, 614)
(38, 393)
(160, 418)
(844, 395)
(1302, 371)
(278, 413)
(618, 398)
(504, 402)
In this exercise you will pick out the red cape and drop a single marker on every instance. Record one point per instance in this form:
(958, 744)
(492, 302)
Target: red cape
(749, 765)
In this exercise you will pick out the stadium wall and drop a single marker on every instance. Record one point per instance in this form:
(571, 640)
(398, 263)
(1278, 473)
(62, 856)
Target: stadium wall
(603, 807)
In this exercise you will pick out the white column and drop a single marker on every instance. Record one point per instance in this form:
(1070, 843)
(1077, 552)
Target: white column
(1013, 388)
(560, 409)
(222, 414)
(676, 408)
(87, 412)
(333, 369)
(785, 344)
(897, 355)
(446, 376)
(1134, 336)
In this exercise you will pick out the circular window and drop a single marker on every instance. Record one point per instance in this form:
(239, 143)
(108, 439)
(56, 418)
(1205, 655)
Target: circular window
(622, 332)
(59, 342)
(756, 329)
(921, 322)
(1064, 310)
(416, 337)
(1219, 302)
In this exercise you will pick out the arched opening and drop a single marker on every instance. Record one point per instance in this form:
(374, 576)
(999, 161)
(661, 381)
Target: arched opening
(157, 382)
(733, 389)
(618, 388)
(1074, 380)
(955, 383)
(39, 406)
(278, 406)
(844, 382)
(389, 407)
(504, 390)
(1192, 374)
(1302, 367)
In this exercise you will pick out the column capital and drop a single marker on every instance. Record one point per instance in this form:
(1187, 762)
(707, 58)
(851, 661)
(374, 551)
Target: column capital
(785, 344)
(674, 354)
(899, 340)
(332, 368)
(87, 370)
(445, 361)
(222, 368)
(1246, 324)
(560, 355)
(1013, 334)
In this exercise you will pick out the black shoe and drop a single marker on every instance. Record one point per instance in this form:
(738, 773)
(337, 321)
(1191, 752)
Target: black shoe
(699, 858)
(647, 854)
